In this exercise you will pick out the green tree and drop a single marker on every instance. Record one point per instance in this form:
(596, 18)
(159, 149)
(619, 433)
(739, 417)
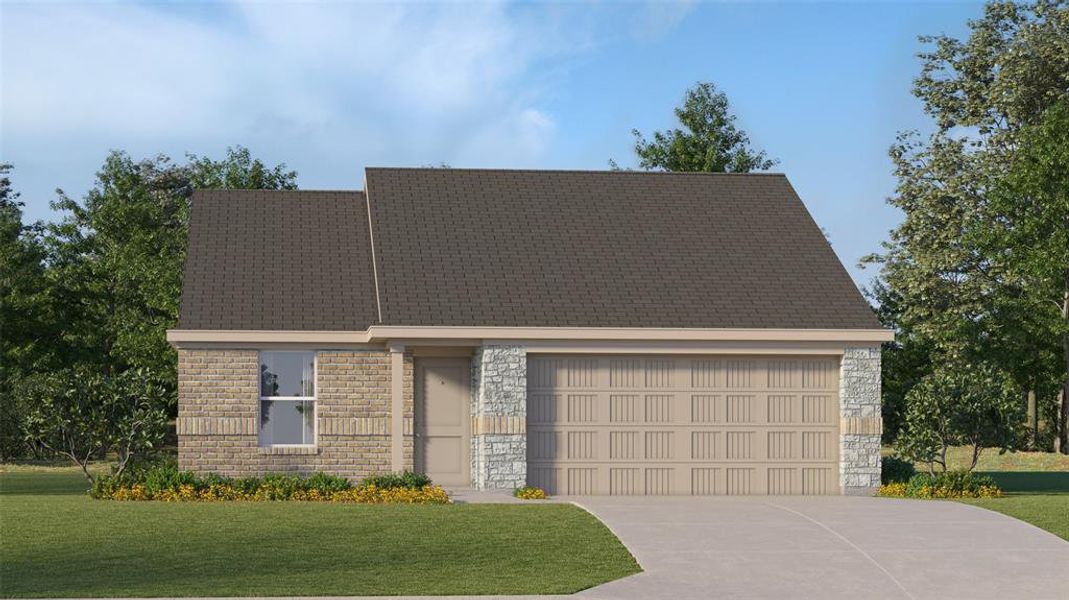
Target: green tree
(238, 170)
(707, 139)
(24, 310)
(1029, 239)
(81, 413)
(956, 299)
(976, 406)
(906, 360)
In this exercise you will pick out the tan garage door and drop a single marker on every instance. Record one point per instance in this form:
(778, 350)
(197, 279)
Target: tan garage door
(665, 425)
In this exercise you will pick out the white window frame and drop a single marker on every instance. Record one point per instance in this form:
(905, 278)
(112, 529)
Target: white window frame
(313, 398)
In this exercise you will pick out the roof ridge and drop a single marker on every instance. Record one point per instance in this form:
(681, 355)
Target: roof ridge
(602, 171)
(245, 190)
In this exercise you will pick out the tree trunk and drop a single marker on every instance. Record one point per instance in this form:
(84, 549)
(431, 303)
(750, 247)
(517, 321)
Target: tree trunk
(1033, 420)
(976, 450)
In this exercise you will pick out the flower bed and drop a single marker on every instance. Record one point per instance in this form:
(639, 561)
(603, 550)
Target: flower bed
(168, 484)
(530, 492)
(951, 484)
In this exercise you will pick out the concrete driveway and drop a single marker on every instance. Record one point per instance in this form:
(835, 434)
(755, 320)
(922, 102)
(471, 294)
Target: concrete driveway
(836, 547)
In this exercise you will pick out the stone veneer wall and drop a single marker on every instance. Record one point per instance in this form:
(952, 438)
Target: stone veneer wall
(499, 417)
(860, 421)
(218, 392)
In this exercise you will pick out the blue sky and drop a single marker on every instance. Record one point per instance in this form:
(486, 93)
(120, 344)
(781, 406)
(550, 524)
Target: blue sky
(332, 87)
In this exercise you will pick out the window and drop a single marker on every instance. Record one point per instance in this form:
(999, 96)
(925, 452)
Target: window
(287, 398)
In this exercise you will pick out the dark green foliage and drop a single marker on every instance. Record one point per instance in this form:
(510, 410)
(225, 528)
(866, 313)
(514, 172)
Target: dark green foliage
(25, 324)
(950, 484)
(327, 483)
(116, 258)
(978, 270)
(406, 479)
(167, 476)
(95, 292)
(81, 413)
(896, 470)
(708, 140)
(973, 405)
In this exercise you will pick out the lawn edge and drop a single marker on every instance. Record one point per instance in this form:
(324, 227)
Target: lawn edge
(1004, 515)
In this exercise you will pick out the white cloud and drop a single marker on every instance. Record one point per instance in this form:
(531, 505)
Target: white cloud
(656, 19)
(101, 67)
(325, 84)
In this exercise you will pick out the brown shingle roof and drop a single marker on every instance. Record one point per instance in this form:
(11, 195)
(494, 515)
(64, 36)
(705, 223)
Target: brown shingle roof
(278, 260)
(518, 248)
(464, 247)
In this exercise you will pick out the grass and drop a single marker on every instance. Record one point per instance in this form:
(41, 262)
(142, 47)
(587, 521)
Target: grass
(1039, 498)
(1036, 485)
(990, 460)
(1046, 511)
(57, 542)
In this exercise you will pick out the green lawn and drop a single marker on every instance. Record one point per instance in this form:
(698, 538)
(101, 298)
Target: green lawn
(1046, 511)
(57, 542)
(1039, 498)
(1036, 485)
(991, 460)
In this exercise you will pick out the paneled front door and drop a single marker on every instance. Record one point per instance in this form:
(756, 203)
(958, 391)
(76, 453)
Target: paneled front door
(443, 420)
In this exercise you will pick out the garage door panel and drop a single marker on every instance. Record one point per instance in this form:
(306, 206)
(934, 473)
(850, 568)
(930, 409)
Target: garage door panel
(628, 425)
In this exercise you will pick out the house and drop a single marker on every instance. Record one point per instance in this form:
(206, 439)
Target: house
(586, 332)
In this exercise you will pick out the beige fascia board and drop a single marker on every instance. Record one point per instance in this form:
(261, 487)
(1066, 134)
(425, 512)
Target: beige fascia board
(179, 337)
(468, 335)
(630, 334)
(690, 347)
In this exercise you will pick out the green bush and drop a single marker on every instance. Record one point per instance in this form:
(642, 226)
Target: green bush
(327, 483)
(167, 477)
(963, 481)
(896, 470)
(918, 482)
(163, 477)
(951, 484)
(407, 479)
(530, 492)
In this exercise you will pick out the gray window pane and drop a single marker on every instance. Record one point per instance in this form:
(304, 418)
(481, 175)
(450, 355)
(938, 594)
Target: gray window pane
(287, 373)
(287, 422)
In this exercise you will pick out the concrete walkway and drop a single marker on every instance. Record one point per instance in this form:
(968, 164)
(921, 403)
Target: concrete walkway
(835, 547)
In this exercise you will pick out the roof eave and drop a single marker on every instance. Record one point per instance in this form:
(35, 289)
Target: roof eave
(386, 333)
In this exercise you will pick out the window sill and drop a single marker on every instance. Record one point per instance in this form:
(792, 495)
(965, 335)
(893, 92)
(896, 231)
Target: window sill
(288, 450)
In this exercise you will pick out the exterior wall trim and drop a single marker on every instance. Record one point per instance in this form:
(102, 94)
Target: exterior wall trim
(397, 407)
(382, 333)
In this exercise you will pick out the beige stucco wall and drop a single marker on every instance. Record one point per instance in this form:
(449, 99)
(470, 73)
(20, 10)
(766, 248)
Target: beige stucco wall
(218, 394)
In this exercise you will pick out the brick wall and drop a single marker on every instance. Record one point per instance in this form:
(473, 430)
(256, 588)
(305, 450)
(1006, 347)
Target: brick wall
(218, 393)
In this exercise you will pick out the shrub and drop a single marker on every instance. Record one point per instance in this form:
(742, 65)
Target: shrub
(973, 405)
(329, 483)
(166, 483)
(892, 490)
(406, 479)
(529, 492)
(920, 485)
(80, 413)
(951, 484)
(163, 477)
(896, 470)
